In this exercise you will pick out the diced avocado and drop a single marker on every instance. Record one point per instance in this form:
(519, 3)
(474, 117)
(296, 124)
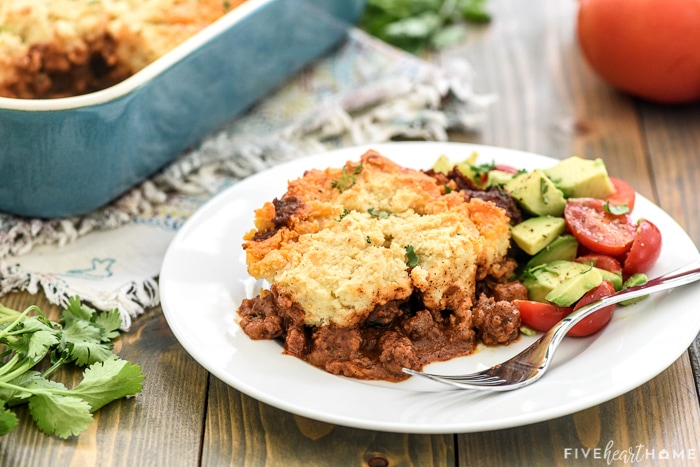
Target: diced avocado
(536, 193)
(614, 277)
(443, 164)
(467, 166)
(563, 247)
(544, 278)
(498, 177)
(535, 233)
(581, 178)
(632, 281)
(568, 292)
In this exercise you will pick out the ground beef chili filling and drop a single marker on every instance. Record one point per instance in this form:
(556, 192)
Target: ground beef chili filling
(50, 71)
(397, 334)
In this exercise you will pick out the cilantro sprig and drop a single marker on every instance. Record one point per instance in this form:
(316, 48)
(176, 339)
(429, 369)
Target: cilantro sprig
(417, 26)
(82, 337)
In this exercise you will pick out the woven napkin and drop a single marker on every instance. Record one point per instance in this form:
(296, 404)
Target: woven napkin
(363, 92)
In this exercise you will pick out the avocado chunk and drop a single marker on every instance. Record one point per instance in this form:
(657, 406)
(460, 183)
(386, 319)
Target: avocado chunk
(568, 292)
(443, 164)
(581, 178)
(535, 233)
(632, 281)
(542, 279)
(498, 177)
(614, 277)
(536, 193)
(563, 247)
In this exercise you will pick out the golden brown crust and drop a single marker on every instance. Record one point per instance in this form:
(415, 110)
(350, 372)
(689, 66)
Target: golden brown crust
(336, 242)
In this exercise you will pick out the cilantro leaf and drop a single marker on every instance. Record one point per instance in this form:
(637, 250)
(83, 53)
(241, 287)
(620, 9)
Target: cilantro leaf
(411, 256)
(109, 323)
(381, 214)
(41, 339)
(82, 342)
(8, 421)
(106, 381)
(616, 209)
(76, 310)
(60, 415)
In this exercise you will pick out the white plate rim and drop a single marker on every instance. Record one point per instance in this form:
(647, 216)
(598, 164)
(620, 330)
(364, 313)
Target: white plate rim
(291, 385)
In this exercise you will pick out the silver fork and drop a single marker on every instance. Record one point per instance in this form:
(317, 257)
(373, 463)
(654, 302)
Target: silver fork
(529, 365)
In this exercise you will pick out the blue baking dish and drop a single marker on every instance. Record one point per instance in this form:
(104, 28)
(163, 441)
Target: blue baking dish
(68, 156)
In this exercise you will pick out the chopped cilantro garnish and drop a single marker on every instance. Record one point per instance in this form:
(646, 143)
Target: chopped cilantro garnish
(343, 214)
(411, 256)
(381, 214)
(616, 210)
(346, 180)
(482, 169)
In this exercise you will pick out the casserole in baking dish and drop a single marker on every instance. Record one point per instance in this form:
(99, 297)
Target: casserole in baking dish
(67, 156)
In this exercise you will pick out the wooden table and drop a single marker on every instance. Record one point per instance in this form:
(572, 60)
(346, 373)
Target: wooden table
(550, 103)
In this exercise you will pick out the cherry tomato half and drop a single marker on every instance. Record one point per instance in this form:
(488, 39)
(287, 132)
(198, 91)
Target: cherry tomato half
(645, 249)
(624, 194)
(542, 316)
(597, 229)
(597, 321)
(600, 261)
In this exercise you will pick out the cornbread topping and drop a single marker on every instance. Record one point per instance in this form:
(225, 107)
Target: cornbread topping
(59, 48)
(373, 267)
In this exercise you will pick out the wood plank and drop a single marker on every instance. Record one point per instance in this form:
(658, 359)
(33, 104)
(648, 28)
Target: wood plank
(673, 139)
(243, 431)
(630, 425)
(160, 426)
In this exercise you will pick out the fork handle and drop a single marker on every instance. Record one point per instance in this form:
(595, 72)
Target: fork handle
(658, 284)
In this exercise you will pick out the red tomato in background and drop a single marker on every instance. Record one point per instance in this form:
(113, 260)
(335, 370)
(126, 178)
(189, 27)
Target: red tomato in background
(645, 249)
(648, 48)
(542, 316)
(624, 194)
(597, 229)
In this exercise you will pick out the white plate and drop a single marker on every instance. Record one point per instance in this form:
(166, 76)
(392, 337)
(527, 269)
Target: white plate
(204, 279)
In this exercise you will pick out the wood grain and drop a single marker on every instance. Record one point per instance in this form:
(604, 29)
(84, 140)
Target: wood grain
(634, 421)
(162, 425)
(264, 435)
(548, 102)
